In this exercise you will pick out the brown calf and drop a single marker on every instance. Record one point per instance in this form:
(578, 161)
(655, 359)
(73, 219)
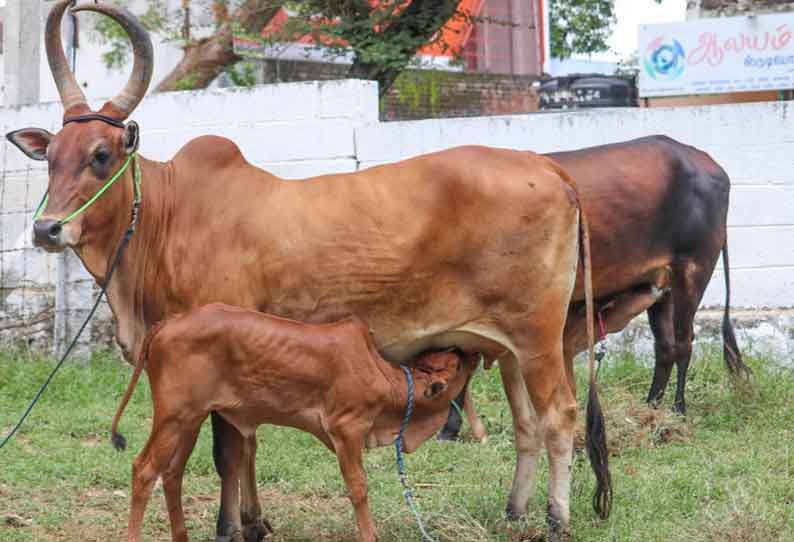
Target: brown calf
(253, 369)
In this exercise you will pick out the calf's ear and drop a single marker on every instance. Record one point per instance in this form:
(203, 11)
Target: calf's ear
(32, 141)
(435, 388)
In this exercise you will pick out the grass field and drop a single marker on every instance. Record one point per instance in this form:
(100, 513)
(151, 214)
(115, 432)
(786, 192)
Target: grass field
(726, 473)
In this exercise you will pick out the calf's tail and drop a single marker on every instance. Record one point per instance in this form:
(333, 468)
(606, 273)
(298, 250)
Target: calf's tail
(730, 349)
(595, 428)
(118, 440)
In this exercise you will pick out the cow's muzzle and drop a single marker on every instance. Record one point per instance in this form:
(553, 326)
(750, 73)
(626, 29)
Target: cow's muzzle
(47, 235)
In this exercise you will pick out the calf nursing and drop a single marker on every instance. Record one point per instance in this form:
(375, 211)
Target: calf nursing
(253, 369)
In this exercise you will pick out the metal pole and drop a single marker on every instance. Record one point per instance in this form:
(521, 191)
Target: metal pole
(63, 261)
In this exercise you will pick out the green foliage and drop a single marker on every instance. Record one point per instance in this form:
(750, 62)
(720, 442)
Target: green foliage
(108, 32)
(243, 74)
(188, 82)
(581, 26)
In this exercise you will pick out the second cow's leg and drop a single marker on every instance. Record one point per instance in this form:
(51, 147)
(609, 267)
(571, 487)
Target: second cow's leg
(528, 440)
(477, 427)
(227, 451)
(255, 527)
(451, 429)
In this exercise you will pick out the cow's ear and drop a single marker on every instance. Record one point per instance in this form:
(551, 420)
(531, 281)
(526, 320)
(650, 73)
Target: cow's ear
(436, 387)
(32, 141)
(131, 137)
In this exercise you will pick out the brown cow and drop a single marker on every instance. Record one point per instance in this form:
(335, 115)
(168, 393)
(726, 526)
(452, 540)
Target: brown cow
(471, 247)
(653, 204)
(252, 369)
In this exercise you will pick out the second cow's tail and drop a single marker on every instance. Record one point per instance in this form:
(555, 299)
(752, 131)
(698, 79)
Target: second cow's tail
(595, 428)
(730, 349)
(118, 440)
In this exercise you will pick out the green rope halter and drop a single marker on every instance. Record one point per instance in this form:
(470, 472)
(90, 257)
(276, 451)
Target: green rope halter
(137, 186)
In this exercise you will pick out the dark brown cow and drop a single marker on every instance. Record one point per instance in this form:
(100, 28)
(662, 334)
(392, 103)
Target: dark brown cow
(654, 206)
(253, 369)
(471, 247)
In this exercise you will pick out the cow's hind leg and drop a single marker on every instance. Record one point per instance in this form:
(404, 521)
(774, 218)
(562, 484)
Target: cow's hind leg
(690, 278)
(660, 318)
(255, 527)
(528, 439)
(227, 451)
(555, 405)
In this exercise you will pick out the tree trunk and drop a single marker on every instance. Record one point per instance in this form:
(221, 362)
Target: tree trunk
(205, 59)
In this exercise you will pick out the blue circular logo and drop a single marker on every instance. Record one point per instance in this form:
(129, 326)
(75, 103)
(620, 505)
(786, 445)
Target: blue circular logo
(664, 59)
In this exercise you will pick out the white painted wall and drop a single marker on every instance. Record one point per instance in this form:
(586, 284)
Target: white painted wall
(753, 142)
(302, 129)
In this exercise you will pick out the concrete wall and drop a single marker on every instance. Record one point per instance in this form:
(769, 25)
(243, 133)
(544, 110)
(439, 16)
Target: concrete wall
(301, 129)
(753, 142)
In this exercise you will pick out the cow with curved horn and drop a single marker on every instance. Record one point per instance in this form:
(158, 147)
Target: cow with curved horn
(487, 261)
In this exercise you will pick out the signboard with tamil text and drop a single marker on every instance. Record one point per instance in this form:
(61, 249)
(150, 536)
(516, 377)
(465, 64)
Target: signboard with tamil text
(713, 56)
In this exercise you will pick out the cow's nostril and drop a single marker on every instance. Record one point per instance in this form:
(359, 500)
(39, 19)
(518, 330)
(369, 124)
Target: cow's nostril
(55, 229)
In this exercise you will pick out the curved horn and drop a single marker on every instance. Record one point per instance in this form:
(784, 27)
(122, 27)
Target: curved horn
(125, 102)
(70, 91)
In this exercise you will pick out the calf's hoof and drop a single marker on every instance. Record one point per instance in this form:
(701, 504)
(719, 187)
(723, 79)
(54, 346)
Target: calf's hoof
(257, 530)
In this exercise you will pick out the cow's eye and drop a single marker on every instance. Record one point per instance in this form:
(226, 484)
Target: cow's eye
(101, 157)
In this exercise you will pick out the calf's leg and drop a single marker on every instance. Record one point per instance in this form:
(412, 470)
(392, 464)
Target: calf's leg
(155, 457)
(349, 446)
(172, 479)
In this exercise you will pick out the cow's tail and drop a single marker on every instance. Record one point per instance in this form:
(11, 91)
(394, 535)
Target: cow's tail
(118, 440)
(730, 349)
(595, 428)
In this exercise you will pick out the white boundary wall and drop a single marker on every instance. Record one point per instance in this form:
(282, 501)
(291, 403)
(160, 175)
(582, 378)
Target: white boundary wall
(302, 129)
(753, 142)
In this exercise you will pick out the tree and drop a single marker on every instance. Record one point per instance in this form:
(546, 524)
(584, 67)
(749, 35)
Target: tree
(581, 26)
(384, 38)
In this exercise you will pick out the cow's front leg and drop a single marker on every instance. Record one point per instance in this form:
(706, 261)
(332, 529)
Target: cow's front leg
(255, 527)
(227, 451)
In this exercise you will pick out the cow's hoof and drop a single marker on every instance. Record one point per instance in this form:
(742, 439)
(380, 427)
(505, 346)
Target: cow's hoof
(258, 530)
(448, 436)
(512, 514)
(558, 532)
(236, 536)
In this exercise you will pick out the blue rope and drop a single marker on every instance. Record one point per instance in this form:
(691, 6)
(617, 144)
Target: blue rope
(398, 444)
